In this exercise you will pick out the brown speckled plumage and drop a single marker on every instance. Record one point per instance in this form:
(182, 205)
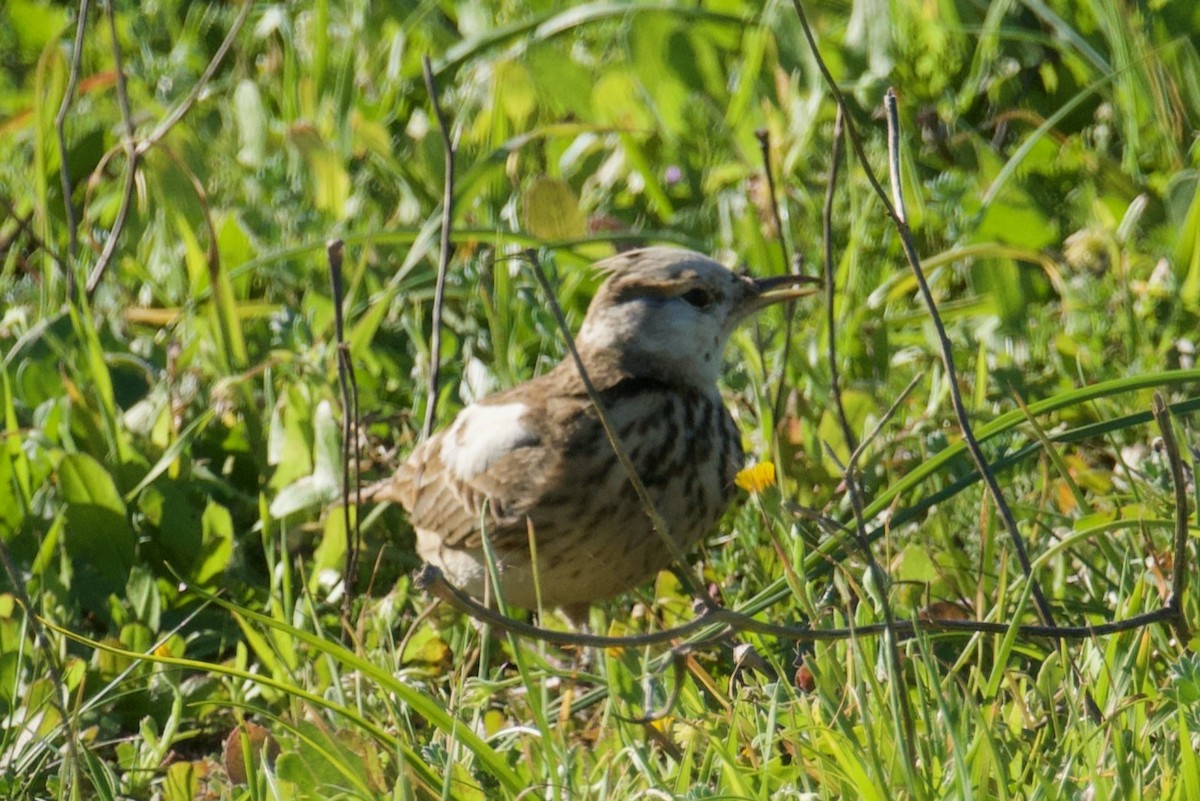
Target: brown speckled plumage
(535, 458)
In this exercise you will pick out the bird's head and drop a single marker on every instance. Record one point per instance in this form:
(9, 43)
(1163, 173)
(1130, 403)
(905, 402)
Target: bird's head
(668, 312)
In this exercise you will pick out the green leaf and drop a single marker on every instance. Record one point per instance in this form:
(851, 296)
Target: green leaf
(1187, 252)
(288, 447)
(914, 564)
(12, 507)
(323, 485)
(217, 545)
(328, 759)
(144, 597)
(1016, 219)
(666, 65)
(859, 407)
(182, 782)
(98, 536)
(550, 210)
(514, 92)
(616, 101)
(561, 83)
(331, 182)
(252, 124)
(332, 550)
(34, 25)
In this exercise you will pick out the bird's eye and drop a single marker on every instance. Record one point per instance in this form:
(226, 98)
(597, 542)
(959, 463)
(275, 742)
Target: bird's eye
(700, 298)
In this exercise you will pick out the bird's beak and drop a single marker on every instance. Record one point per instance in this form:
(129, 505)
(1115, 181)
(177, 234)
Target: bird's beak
(762, 292)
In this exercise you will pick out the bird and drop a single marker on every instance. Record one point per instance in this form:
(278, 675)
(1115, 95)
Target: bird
(534, 461)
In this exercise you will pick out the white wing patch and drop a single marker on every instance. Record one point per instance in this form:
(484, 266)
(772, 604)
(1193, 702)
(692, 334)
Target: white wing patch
(481, 435)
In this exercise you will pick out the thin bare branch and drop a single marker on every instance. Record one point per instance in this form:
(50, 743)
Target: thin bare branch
(960, 409)
(334, 253)
(23, 228)
(135, 150)
(171, 120)
(764, 143)
(60, 127)
(899, 219)
(910, 253)
(850, 474)
(431, 580)
(122, 85)
(445, 250)
(1179, 574)
(835, 382)
(851, 129)
(887, 416)
(721, 623)
(132, 155)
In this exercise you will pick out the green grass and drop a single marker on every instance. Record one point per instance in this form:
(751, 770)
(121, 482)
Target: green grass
(170, 447)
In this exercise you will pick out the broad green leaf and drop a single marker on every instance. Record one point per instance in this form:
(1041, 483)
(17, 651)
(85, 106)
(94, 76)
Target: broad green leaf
(616, 101)
(288, 447)
(550, 210)
(323, 485)
(180, 534)
(12, 505)
(914, 564)
(1015, 219)
(34, 25)
(235, 247)
(144, 597)
(183, 781)
(98, 537)
(217, 544)
(561, 83)
(331, 553)
(95, 374)
(666, 65)
(1187, 252)
(1013, 287)
(332, 759)
(514, 91)
(364, 329)
(330, 181)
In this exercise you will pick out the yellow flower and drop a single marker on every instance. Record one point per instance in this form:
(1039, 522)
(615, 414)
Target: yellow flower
(756, 477)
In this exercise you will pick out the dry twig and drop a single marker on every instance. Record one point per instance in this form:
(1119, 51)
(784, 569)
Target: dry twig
(1162, 416)
(60, 127)
(850, 474)
(135, 150)
(348, 384)
(444, 253)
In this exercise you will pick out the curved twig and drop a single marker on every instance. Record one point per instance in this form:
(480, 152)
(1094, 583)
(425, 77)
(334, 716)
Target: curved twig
(60, 127)
(334, 252)
(764, 143)
(850, 473)
(724, 622)
(135, 150)
(445, 251)
(1162, 416)
(431, 580)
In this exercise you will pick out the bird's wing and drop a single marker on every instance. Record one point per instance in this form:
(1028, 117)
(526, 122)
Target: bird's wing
(489, 456)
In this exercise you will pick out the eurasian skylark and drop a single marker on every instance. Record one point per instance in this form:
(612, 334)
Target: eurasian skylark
(535, 458)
